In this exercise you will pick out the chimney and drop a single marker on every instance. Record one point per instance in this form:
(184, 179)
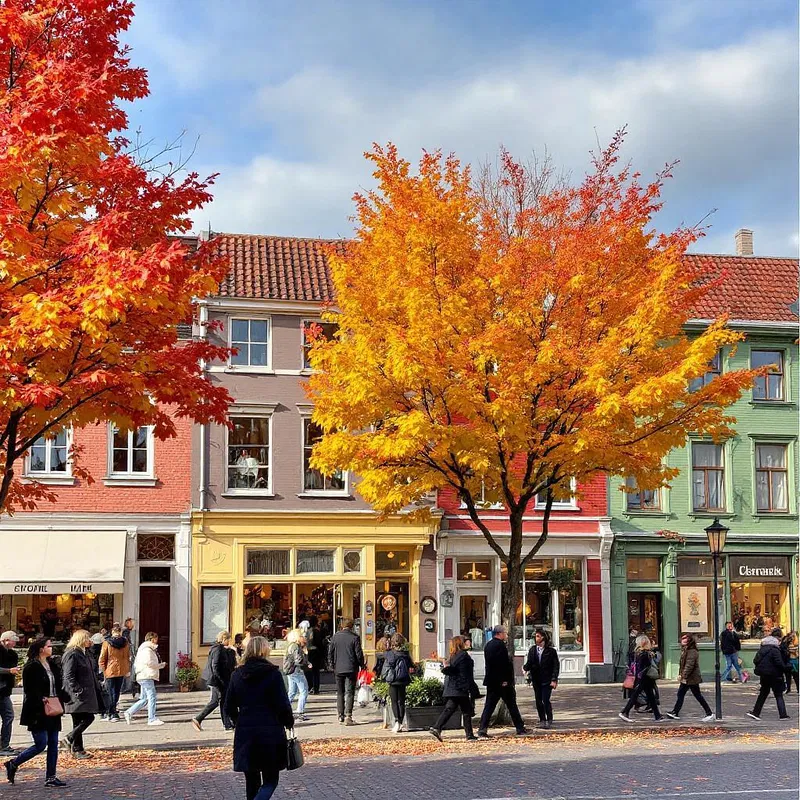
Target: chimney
(744, 242)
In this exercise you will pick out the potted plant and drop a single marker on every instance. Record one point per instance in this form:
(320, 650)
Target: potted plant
(424, 704)
(186, 672)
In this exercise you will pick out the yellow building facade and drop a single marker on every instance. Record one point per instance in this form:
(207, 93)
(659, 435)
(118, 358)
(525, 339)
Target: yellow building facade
(264, 573)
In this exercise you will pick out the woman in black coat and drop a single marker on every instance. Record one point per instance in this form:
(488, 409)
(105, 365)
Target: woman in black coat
(458, 687)
(41, 678)
(396, 671)
(82, 684)
(643, 664)
(258, 706)
(543, 666)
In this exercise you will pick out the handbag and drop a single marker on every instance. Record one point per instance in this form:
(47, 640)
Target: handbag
(53, 707)
(652, 672)
(294, 753)
(630, 680)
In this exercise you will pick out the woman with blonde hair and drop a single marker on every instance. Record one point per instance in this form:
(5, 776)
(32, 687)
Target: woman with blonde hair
(259, 708)
(459, 677)
(217, 675)
(646, 675)
(82, 684)
(295, 662)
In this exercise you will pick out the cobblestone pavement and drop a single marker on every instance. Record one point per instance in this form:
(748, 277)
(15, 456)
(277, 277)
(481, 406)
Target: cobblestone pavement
(737, 765)
(577, 707)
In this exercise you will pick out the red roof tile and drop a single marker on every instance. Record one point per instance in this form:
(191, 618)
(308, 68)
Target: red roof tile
(276, 267)
(287, 268)
(754, 288)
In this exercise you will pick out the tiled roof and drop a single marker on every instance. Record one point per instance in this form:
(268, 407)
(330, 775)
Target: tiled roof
(753, 288)
(286, 268)
(276, 267)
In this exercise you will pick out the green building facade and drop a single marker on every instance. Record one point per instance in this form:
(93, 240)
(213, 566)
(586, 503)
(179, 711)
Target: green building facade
(661, 570)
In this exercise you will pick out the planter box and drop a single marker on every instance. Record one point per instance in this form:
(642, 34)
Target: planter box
(424, 717)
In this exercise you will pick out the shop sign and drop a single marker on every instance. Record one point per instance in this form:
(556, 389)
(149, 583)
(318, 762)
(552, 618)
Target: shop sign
(759, 568)
(33, 587)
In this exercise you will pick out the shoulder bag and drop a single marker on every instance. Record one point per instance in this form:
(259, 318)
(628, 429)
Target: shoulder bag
(294, 753)
(630, 680)
(52, 707)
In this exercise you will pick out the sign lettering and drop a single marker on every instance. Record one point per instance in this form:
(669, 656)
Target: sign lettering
(760, 568)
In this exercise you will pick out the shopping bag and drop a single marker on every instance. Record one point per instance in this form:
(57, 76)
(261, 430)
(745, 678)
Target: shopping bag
(365, 677)
(364, 695)
(294, 753)
(630, 680)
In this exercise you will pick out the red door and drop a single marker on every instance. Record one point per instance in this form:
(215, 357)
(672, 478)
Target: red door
(154, 616)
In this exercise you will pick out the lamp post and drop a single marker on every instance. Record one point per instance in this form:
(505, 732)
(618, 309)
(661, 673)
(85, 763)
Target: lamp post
(717, 533)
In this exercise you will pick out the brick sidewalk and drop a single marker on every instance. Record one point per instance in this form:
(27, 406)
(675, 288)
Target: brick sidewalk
(576, 707)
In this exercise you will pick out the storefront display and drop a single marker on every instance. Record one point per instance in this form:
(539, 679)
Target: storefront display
(759, 596)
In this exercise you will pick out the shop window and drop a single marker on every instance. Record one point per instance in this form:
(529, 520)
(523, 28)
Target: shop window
(268, 562)
(708, 477)
(132, 451)
(249, 454)
(315, 561)
(352, 560)
(695, 608)
(250, 338)
(538, 568)
(772, 478)
(473, 611)
(643, 570)
(769, 386)
(155, 547)
(154, 574)
(714, 371)
(757, 608)
(268, 611)
(700, 567)
(215, 612)
(313, 479)
(642, 499)
(392, 608)
(48, 455)
(392, 560)
(474, 571)
(325, 330)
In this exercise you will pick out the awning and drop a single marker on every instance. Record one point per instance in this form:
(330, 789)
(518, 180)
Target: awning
(61, 562)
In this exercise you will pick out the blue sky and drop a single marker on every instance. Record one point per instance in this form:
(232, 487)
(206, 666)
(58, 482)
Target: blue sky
(285, 97)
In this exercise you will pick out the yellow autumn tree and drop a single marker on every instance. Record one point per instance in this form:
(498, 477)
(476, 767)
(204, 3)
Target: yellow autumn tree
(504, 343)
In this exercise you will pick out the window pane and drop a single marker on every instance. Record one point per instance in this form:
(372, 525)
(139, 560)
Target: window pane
(757, 608)
(538, 609)
(120, 438)
(352, 561)
(258, 331)
(769, 455)
(644, 569)
(775, 387)
(241, 358)
(695, 603)
(762, 491)
(716, 489)
(315, 561)
(570, 627)
(140, 437)
(120, 460)
(216, 613)
(140, 460)
(474, 571)
(765, 358)
(239, 330)
(699, 567)
(706, 455)
(267, 562)
(537, 569)
(38, 455)
(575, 564)
(258, 355)
(760, 388)
(388, 560)
(779, 496)
(248, 466)
(58, 459)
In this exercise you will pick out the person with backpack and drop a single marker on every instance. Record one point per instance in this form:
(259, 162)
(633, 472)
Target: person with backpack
(294, 663)
(690, 679)
(789, 651)
(396, 671)
(770, 666)
(646, 674)
(217, 675)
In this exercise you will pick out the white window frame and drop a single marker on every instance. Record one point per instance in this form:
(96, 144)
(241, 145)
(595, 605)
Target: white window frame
(128, 477)
(726, 480)
(305, 321)
(306, 411)
(47, 475)
(630, 482)
(790, 442)
(562, 505)
(265, 411)
(257, 368)
(482, 504)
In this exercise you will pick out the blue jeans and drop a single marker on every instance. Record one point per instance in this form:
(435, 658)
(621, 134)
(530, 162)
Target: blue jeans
(148, 698)
(260, 785)
(298, 685)
(7, 717)
(114, 686)
(732, 662)
(41, 740)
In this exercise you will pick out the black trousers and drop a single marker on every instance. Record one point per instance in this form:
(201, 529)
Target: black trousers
(397, 693)
(648, 687)
(217, 699)
(345, 693)
(260, 785)
(315, 668)
(542, 692)
(776, 686)
(695, 690)
(450, 706)
(80, 722)
(508, 694)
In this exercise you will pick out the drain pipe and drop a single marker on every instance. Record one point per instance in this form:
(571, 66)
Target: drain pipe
(203, 427)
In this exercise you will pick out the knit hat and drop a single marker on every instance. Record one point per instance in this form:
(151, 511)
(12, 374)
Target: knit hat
(98, 638)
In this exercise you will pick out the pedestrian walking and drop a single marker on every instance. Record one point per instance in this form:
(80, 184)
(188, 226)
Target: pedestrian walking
(259, 707)
(459, 675)
(789, 650)
(129, 684)
(93, 651)
(217, 675)
(543, 666)
(9, 669)
(381, 647)
(115, 663)
(691, 678)
(295, 662)
(315, 647)
(346, 658)
(41, 681)
(646, 675)
(82, 684)
(771, 669)
(730, 644)
(396, 671)
(146, 668)
(499, 682)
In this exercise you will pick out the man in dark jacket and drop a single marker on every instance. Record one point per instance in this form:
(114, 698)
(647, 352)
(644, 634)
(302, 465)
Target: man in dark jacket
(346, 658)
(543, 666)
(770, 668)
(730, 644)
(217, 675)
(9, 668)
(499, 682)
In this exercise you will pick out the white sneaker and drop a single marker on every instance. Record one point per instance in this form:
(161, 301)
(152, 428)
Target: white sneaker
(708, 718)
(624, 717)
(396, 727)
(753, 716)
(127, 715)
(155, 722)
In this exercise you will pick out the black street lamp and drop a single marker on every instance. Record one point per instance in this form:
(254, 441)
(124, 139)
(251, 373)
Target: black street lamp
(717, 533)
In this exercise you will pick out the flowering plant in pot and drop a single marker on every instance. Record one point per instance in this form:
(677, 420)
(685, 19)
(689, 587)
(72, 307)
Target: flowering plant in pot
(186, 672)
